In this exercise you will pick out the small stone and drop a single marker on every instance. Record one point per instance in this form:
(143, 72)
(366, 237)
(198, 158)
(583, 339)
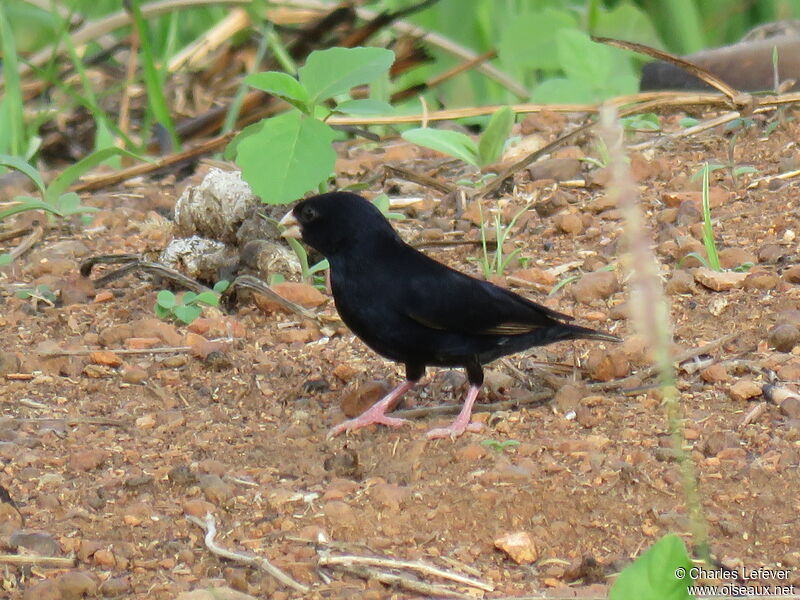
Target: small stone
(744, 389)
(216, 593)
(519, 546)
(358, 399)
(784, 337)
(39, 543)
(770, 253)
(134, 375)
(792, 274)
(389, 495)
(75, 585)
(595, 286)
(715, 373)
(299, 293)
(113, 336)
(215, 489)
(557, 169)
(718, 441)
(105, 559)
(569, 223)
(605, 365)
(340, 514)
(115, 587)
(87, 460)
(719, 281)
(535, 275)
(791, 407)
(761, 280)
(472, 452)
(44, 590)
(568, 398)
(681, 282)
(198, 508)
(730, 258)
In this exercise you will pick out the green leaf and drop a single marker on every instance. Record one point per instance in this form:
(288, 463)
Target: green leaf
(629, 23)
(328, 73)
(281, 85)
(60, 184)
(529, 42)
(562, 90)
(5, 259)
(166, 299)
(320, 266)
(661, 573)
(452, 143)
(23, 167)
(287, 156)
(221, 285)
(688, 122)
(606, 71)
(188, 297)
(27, 203)
(70, 204)
(161, 312)
(208, 298)
(494, 137)
(187, 313)
(364, 106)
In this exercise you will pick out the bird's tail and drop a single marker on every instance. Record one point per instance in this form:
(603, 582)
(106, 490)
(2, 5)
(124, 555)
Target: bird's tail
(576, 332)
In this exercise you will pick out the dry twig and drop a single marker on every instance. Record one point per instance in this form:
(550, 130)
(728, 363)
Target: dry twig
(38, 561)
(209, 525)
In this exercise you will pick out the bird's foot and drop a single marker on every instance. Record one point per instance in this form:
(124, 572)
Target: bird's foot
(454, 430)
(370, 417)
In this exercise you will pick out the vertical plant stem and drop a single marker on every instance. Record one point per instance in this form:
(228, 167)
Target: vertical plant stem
(651, 314)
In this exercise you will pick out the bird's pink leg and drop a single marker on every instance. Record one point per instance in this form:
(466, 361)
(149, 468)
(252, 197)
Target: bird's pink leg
(376, 414)
(463, 421)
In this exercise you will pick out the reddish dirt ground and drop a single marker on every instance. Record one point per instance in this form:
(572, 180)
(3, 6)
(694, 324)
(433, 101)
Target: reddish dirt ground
(105, 458)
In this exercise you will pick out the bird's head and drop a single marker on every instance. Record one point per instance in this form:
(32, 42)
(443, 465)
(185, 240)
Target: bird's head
(335, 222)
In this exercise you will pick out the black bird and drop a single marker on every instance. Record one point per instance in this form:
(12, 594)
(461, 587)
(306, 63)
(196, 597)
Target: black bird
(415, 310)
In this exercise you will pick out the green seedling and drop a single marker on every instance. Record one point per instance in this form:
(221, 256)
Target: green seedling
(5, 259)
(496, 264)
(500, 446)
(687, 122)
(661, 573)
(187, 307)
(41, 293)
(285, 156)
(486, 151)
(708, 229)
(54, 198)
(643, 122)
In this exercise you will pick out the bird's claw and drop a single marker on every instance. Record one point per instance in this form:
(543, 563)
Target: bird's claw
(454, 430)
(365, 420)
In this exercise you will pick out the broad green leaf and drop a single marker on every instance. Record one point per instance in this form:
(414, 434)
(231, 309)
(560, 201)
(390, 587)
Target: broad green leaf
(188, 297)
(286, 156)
(490, 146)
(209, 298)
(605, 71)
(70, 204)
(661, 573)
(282, 85)
(629, 23)
(529, 42)
(161, 312)
(23, 167)
(561, 90)
(60, 184)
(187, 313)
(221, 285)
(452, 143)
(166, 299)
(5, 259)
(364, 106)
(328, 73)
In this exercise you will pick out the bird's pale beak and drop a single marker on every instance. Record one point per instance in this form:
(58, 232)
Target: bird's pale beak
(291, 226)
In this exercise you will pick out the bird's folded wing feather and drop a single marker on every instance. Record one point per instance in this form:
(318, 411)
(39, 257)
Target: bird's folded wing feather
(444, 299)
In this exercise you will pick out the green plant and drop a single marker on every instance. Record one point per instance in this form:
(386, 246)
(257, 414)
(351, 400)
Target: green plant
(285, 156)
(186, 307)
(5, 259)
(41, 293)
(662, 573)
(497, 263)
(458, 145)
(500, 446)
(642, 122)
(55, 199)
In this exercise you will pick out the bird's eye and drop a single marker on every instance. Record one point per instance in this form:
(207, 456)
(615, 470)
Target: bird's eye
(307, 214)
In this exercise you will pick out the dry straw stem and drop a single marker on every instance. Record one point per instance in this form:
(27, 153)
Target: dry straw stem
(650, 310)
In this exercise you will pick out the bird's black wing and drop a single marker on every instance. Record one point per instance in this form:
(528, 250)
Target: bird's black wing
(441, 298)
